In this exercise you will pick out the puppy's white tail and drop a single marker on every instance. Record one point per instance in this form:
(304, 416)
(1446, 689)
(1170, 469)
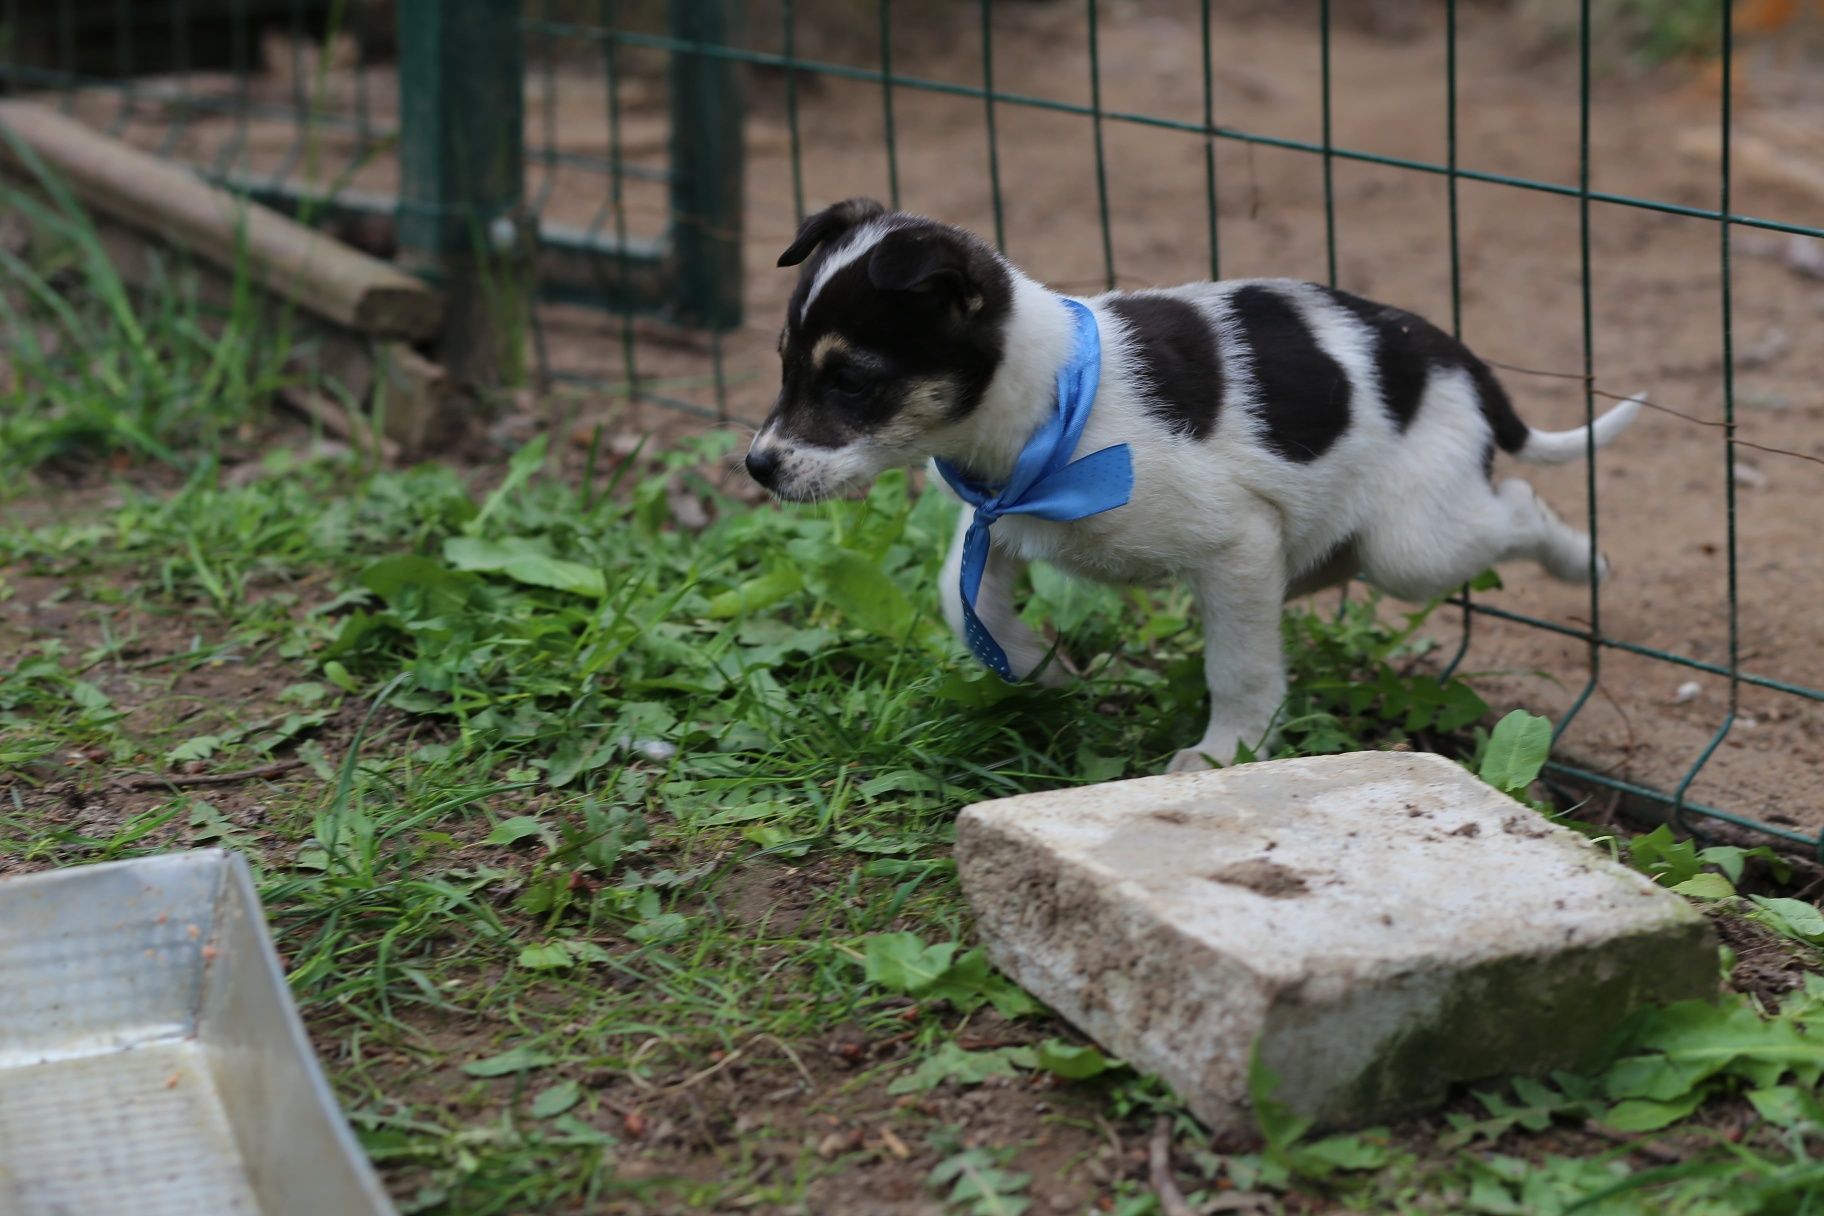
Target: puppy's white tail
(1561, 447)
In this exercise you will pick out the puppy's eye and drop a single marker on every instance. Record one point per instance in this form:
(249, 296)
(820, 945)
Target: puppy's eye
(847, 382)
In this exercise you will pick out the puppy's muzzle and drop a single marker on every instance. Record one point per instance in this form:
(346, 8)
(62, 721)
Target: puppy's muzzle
(763, 464)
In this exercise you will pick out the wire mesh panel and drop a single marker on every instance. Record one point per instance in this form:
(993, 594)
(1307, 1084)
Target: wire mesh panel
(1532, 204)
(1089, 120)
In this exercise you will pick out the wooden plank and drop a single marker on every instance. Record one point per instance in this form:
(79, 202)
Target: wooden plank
(331, 280)
(419, 403)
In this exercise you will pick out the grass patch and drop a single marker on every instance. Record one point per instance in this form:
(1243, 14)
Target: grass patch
(90, 369)
(598, 817)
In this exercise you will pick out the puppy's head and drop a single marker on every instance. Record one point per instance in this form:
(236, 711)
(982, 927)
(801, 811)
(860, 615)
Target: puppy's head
(892, 335)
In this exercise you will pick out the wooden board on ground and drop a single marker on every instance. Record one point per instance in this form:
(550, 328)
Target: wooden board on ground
(331, 280)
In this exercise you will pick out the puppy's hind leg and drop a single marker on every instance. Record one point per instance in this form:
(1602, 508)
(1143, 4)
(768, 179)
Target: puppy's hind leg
(1026, 651)
(1527, 529)
(1546, 539)
(1429, 544)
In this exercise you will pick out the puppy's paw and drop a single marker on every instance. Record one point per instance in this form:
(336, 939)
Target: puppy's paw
(1569, 561)
(1222, 746)
(1047, 668)
(1190, 760)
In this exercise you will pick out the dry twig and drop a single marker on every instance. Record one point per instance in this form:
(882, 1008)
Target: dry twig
(1171, 1199)
(159, 781)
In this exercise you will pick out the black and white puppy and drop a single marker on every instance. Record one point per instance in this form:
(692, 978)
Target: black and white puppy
(1284, 437)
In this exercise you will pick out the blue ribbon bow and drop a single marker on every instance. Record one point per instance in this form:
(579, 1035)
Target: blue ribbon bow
(1045, 481)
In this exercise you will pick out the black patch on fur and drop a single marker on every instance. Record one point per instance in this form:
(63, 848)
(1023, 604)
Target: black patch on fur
(1408, 348)
(933, 311)
(1510, 431)
(1303, 394)
(922, 259)
(1178, 353)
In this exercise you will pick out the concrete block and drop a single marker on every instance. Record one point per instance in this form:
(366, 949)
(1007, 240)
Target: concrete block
(1382, 925)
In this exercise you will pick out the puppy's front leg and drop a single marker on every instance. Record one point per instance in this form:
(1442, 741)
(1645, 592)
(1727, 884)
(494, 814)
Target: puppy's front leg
(1241, 598)
(1024, 649)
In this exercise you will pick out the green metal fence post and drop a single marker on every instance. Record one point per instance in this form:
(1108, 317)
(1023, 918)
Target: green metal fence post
(462, 176)
(707, 157)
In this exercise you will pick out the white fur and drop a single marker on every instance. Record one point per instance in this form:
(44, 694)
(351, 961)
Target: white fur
(1414, 512)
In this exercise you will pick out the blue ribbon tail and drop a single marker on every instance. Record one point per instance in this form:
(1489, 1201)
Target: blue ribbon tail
(1098, 482)
(1044, 482)
(975, 563)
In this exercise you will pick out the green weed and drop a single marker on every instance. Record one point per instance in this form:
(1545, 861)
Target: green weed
(90, 368)
(552, 736)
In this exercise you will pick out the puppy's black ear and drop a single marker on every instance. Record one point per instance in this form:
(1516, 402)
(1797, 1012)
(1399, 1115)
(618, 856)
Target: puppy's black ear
(930, 260)
(829, 224)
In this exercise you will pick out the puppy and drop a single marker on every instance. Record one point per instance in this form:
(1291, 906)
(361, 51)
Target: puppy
(1283, 437)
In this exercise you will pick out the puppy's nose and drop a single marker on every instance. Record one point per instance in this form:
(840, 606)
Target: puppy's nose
(762, 463)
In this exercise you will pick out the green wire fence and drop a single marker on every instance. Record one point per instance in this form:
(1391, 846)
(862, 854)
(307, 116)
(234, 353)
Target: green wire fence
(661, 244)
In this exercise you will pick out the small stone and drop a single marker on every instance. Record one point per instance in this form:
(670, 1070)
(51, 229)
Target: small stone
(1771, 346)
(839, 1142)
(1687, 692)
(1473, 941)
(1748, 476)
(515, 430)
(687, 510)
(1804, 256)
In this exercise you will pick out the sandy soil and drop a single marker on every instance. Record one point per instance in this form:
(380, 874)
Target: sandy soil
(1656, 301)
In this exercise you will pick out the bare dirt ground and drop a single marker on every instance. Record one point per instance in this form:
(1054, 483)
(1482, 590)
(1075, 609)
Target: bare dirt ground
(1655, 281)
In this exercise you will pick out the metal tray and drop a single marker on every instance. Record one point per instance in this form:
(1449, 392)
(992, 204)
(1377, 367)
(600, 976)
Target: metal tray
(151, 1060)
